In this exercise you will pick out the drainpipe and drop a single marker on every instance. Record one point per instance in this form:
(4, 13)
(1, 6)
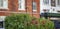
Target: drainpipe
(32, 8)
(26, 6)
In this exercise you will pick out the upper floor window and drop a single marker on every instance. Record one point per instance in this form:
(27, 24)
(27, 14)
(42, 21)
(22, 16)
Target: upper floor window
(21, 4)
(58, 2)
(46, 1)
(34, 6)
(3, 3)
(53, 3)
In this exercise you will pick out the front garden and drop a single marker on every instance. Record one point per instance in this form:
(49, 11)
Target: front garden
(24, 21)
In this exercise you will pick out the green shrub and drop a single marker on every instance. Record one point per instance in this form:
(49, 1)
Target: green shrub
(17, 21)
(24, 21)
(46, 24)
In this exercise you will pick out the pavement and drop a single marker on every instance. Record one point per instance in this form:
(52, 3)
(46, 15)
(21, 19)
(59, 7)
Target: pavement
(53, 18)
(1, 28)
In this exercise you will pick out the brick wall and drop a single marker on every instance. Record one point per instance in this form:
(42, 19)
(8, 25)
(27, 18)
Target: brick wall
(13, 7)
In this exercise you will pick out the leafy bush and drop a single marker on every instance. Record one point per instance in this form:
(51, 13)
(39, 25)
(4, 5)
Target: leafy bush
(24, 21)
(17, 21)
(46, 24)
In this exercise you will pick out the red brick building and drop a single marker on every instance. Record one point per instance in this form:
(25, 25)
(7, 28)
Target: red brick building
(32, 7)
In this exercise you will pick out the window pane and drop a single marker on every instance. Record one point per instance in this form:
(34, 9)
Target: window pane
(21, 4)
(53, 3)
(1, 3)
(46, 1)
(34, 6)
(58, 2)
(5, 3)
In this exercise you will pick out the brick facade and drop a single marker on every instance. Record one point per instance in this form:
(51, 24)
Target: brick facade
(13, 7)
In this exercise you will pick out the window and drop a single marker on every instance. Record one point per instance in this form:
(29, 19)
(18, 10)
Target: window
(2, 22)
(46, 1)
(34, 6)
(58, 2)
(3, 3)
(53, 3)
(21, 4)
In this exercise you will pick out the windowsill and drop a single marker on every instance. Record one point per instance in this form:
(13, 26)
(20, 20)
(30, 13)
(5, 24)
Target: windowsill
(34, 10)
(3, 8)
(21, 9)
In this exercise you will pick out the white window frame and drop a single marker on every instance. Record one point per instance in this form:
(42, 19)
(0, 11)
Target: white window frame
(22, 5)
(36, 6)
(3, 5)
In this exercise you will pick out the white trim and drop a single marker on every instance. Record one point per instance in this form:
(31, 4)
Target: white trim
(34, 10)
(3, 8)
(21, 9)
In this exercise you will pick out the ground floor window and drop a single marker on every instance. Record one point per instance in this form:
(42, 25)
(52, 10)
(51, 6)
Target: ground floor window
(2, 24)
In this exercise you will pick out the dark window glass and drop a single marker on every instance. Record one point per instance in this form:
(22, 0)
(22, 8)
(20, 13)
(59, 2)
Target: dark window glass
(1, 24)
(53, 3)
